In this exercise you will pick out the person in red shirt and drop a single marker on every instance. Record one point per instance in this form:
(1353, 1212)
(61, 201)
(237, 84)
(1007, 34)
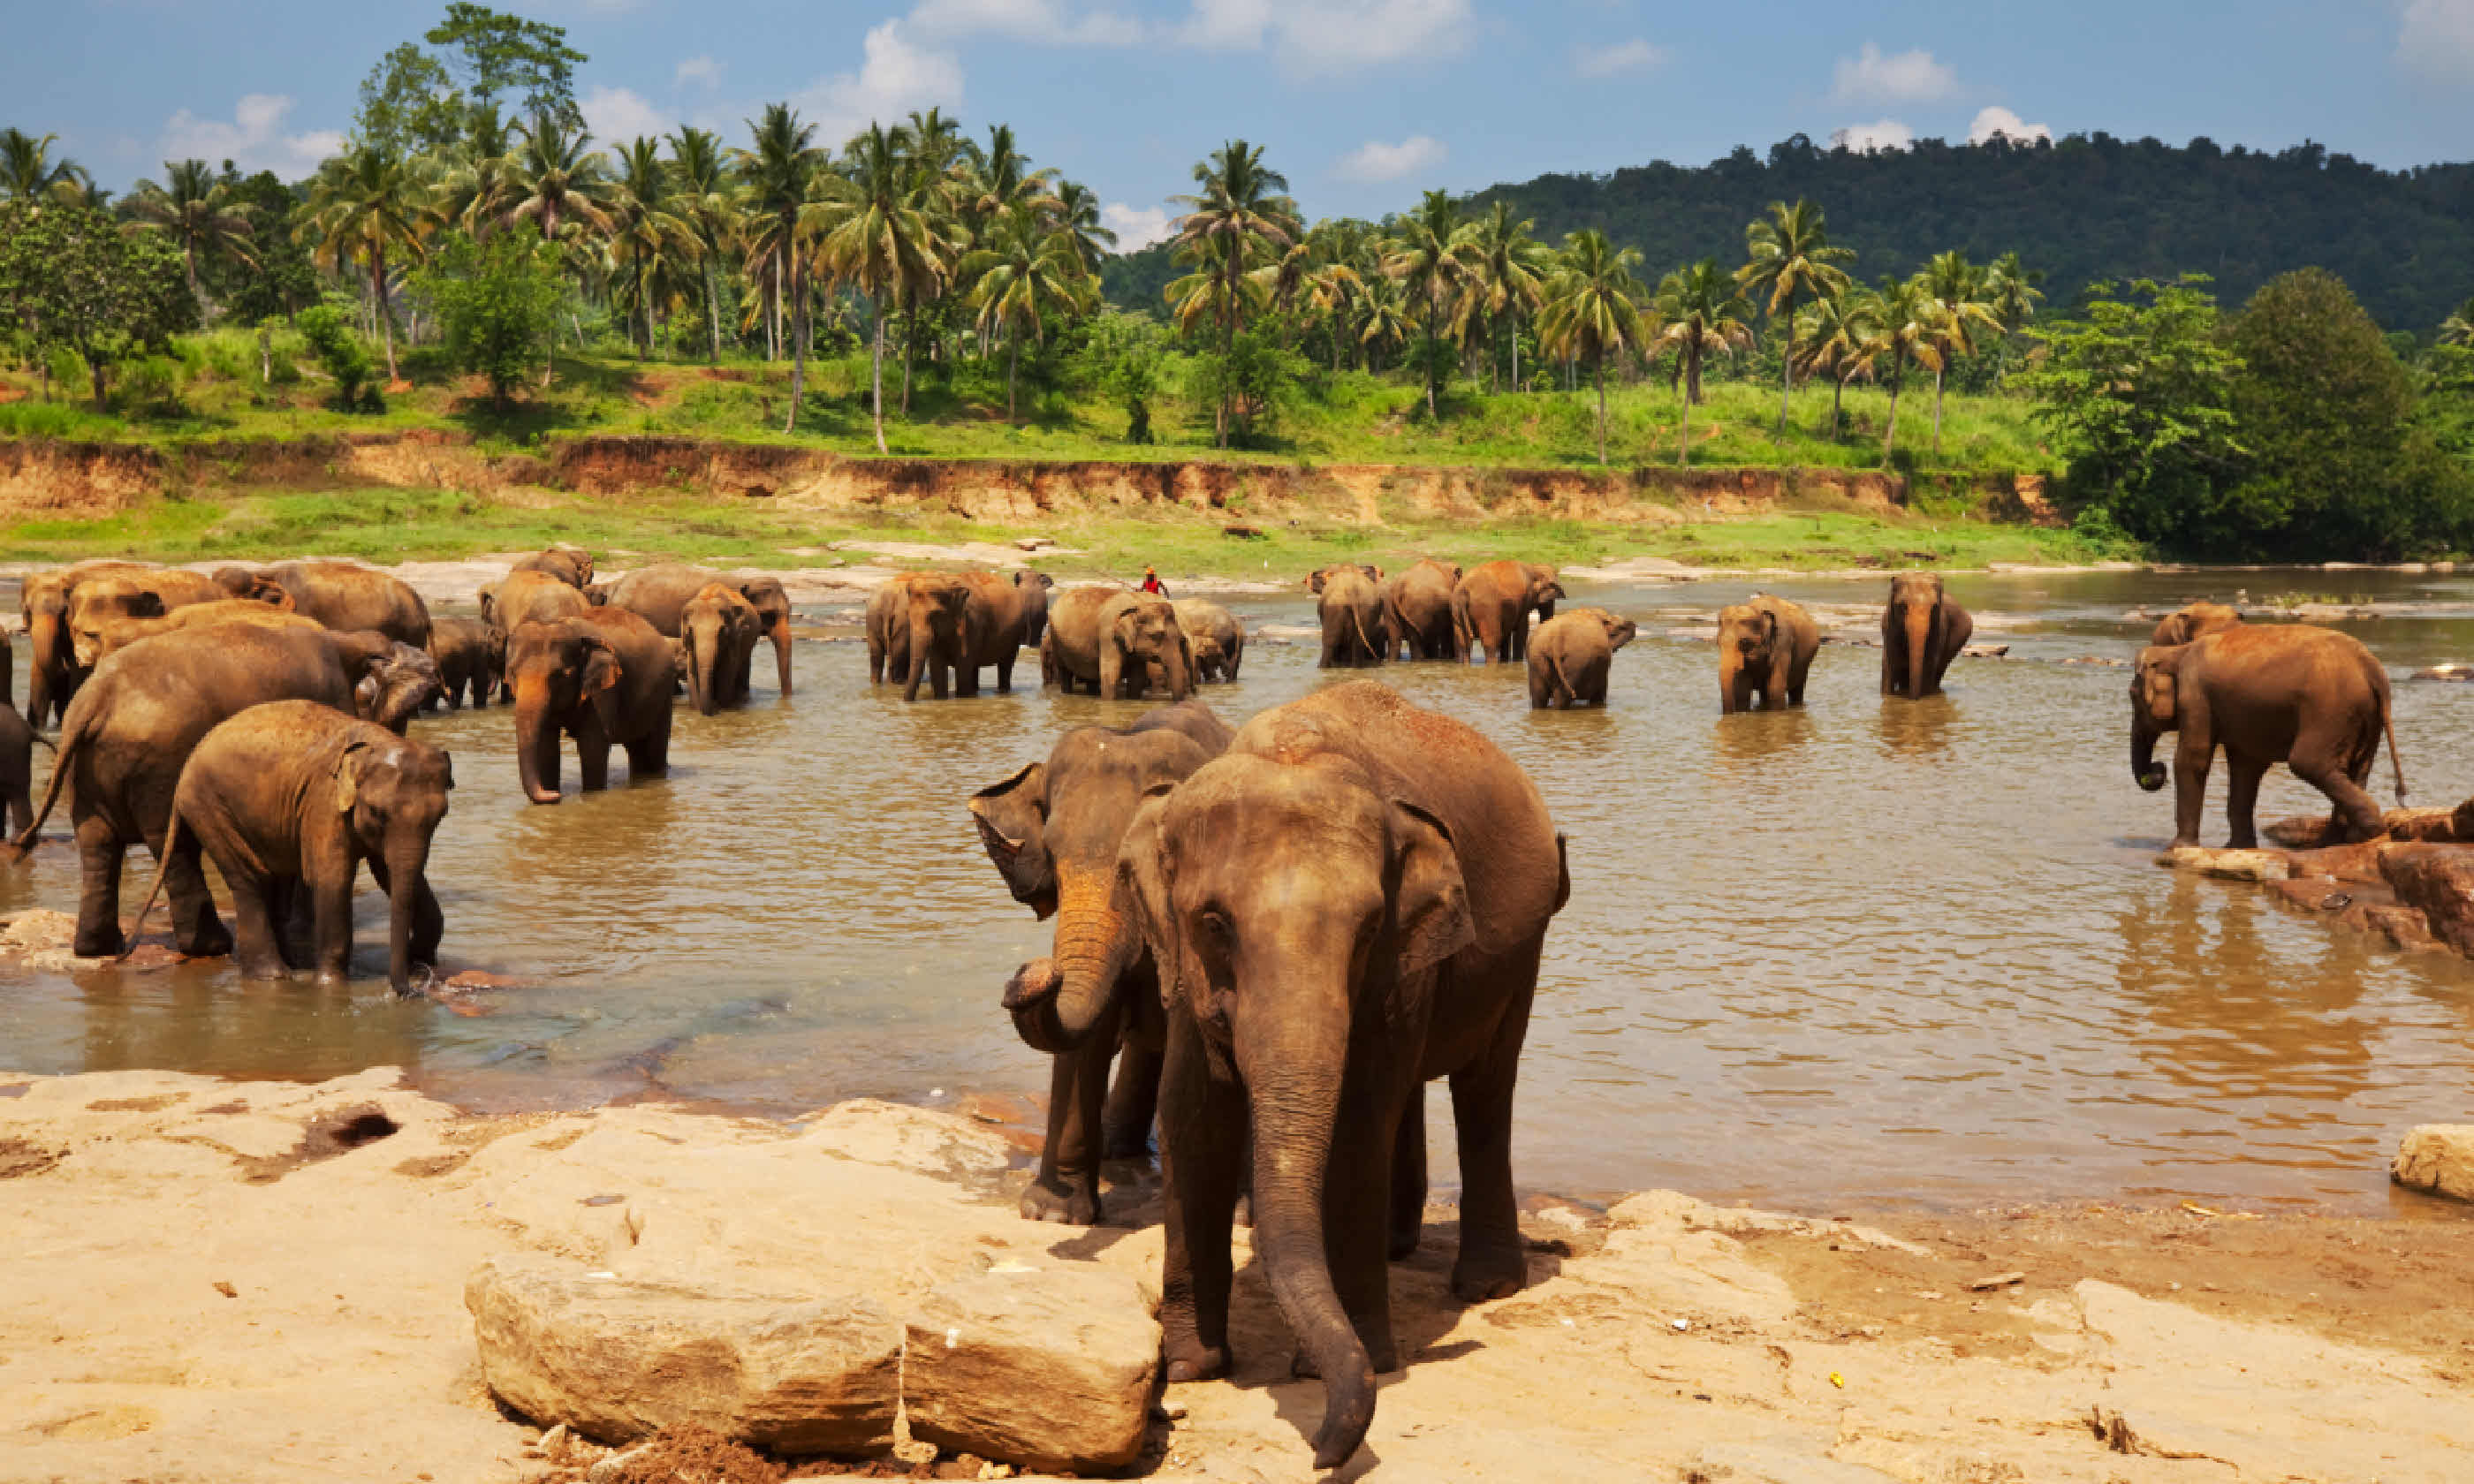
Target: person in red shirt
(1152, 583)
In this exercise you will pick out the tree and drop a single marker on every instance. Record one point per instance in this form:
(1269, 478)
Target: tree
(2011, 292)
(886, 241)
(1905, 317)
(1241, 208)
(2458, 329)
(1593, 308)
(409, 105)
(1078, 211)
(1431, 257)
(556, 177)
(339, 352)
(1387, 322)
(196, 211)
(1791, 258)
(1027, 277)
(1961, 315)
(77, 281)
(498, 304)
(28, 171)
(479, 186)
(364, 203)
(502, 54)
(1700, 314)
(702, 198)
(1835, 335)
(778, 170)
(1122, 355)
(645, 236)
(1508, 271)
(277, 277)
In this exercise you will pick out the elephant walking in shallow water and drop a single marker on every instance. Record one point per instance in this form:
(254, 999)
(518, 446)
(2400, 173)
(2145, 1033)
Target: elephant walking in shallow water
(1765, 648)
(1113, 640)
(1922, 631)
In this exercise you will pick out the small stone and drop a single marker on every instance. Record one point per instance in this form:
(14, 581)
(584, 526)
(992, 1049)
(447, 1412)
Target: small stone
(1048, 1369)
(1997, 1280)
(2438, 1158)
(615, 1465)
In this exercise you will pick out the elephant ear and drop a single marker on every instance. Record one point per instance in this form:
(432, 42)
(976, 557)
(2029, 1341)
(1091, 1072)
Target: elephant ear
(146, 605)
(1314, 583)
(1621, 631)
(1372, 572)
(1011, 817)
(601, 667)
(365, 695)
(1563, 872)
(1143, 896)
(1430, 911)
(350, 765)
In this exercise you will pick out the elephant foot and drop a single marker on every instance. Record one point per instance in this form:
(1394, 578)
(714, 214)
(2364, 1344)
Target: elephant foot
(269, 967)
(1193, 1361)
(1121, 1143)
(97, 943)
(1478, 1279)
(1404, 1245)
(1075, 1207)
(215, 942)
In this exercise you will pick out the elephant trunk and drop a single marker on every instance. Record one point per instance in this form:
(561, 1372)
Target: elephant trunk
(43, 636)
(405, 865)
(1919, 622)
(536, 742)
(2142, 755)
(780, 634)
(704, 671)
(1292, 1089)
(1096, 944)
(923, 653)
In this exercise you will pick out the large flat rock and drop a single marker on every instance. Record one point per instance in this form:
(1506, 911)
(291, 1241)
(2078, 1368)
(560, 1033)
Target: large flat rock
(2439, 1158)
(1045, 1367)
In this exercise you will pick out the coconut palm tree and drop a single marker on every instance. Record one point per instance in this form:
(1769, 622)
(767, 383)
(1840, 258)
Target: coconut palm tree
(1904, 321)
(1835, 335)
(1078, 211)
(364, 203)
(702, 199)
(646, 236)
(1961, 317)
(1387, 319)
(556, 177)
(885, 239)
(198, 213)
(1791, 258)
(1431, 256)
(1508, 272)
(1240, 211)
(791, 194)
(1700, 314)
(28, 171)
(2458, 329)
(2011, 292)
(1592, 307)
(479, 184)
(1026, 274)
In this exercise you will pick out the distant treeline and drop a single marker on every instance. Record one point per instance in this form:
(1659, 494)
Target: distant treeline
(2082, 210)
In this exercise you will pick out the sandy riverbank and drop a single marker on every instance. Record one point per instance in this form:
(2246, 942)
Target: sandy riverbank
(204, 1289)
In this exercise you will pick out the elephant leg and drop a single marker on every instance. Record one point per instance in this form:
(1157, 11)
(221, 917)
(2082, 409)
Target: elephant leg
(100, 854)
(22, 807)
(2242, 799)
(2353, 804)
(1133, 1099)
(1004, 670)
(1409, 1178)
(257, 939)
(1202, 1163)
(1542, 694)
(1067, 1186)
(428, 918)
(197, 931)
(1492, 1262)
(2191, 760)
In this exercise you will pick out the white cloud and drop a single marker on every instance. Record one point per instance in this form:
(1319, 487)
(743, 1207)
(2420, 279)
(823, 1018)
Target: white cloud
(1605, 61)
(702, 71)
(253, 140)
(2437, 39)
(1909, 77)
(1376, 160)
(1136, 226)
(1999, 120)
(895, 76)
(1027, 20)
(1331, 36)
(617, 115)
(1865, 138)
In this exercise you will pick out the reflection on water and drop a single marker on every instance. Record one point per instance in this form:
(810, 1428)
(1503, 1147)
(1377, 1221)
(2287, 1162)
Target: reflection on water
(1870, 948)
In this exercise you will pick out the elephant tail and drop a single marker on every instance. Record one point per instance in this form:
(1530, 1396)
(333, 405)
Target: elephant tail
(171, 838)
(63, 754)
(1373, 652)
(1464, 628)
(2397, 761)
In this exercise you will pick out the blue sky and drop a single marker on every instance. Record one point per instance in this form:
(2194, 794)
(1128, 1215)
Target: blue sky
(1362, 103)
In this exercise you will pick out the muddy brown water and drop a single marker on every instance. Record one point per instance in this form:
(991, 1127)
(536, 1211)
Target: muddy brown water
(1870, 951)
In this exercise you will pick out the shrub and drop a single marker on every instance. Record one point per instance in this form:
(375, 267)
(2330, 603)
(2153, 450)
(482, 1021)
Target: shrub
(340, 353)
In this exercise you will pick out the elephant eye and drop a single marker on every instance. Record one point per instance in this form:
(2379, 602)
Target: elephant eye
(1215, 931)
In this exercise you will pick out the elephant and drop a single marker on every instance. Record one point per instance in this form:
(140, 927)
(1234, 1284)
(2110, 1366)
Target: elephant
(1491, 605)
(1052, 831)
(1348, 901)
(718, 629)
(135, 721)
(1218, 637)
(44, 603)
(569, 564)
(1348, 603)
(920, 625)
(471, 655)
(2313, 699)
(659, 593)
(293, 795)
(102, 597)
(17, 739)
(1110, 638)
(602, 679)
(1420, 603)
(95, 635)
(2195, 620)
(534, 597)
(1922, 631)
(1765, 648)
(1569, 657)
(1009, 614)
(342, 595)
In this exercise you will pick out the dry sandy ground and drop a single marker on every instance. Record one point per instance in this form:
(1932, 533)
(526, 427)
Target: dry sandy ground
(202, 1285)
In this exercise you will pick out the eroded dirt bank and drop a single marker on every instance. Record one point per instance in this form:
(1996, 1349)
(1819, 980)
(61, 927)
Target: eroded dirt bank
(75, 479)
(245, 1282)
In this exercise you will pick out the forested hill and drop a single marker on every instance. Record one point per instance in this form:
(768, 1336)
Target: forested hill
(2083, 209)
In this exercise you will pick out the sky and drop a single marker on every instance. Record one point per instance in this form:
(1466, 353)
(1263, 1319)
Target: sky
(1362, 104)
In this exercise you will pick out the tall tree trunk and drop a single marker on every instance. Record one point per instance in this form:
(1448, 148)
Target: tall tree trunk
(1683, 439)
(799, 344)
(386, 321)
(189, 255)
(1890, 437)
(1837, 400)
(1430, 357)
(909, 344)
(712, 312)
(1602, 408)
(1013, 353)
(1937, 375)
(1516, 354)
(1787, 365)
(876, 374)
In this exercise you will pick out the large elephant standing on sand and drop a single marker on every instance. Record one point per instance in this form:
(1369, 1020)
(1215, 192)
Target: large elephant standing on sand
(342, 595)
(1356, 628)
(1420, 603)
(1111, 640)
(1052, 831)
(1922, 631)
(2313, 699)
(1765, 648)
(1352, 901)
(135, 721)
(1491, 605)
(657, 594)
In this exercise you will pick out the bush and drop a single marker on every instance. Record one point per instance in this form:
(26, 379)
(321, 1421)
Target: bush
(345, 359)
(498, 304)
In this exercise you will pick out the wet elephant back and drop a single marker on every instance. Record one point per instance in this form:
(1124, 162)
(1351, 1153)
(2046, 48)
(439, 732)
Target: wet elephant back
(537, 597)
(658, 595)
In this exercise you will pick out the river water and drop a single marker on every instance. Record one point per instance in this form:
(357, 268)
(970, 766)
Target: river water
(1869, 950)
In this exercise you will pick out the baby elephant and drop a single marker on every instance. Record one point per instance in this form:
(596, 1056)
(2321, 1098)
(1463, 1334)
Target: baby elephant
(293, 795)
(471, 655)
(1765, 648)
(1569, 657)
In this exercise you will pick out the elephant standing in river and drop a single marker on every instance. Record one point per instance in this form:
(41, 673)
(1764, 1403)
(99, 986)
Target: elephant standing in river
(1217, 637)
(471, 655)
(1114, 640)
(96, 635)
(16, 766)
(1007, 615)
(1348, 603)
(1491, 605)
(1765, 648)
(717, 630)
(342, 595)
(2194, 620)
(1419, 604)
(569, 564)
(292, 795)
(1922, 631)
(658, 595)
(44, 603)
(1052, 831)
(1350, 900)
(1570, 655)
(921, 625)
(606, 680)
(135, 721)
(2313, 699)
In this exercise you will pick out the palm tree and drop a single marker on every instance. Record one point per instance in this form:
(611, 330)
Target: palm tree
(198, 213)
(885, 240)
(1700, 313)
(478, 187)
(1241, 208)
(643, 233)
(1078, 211)
(1027, 277)
(1387, 319)
(28, 171)
(1791, 258)
(1431, 256)
(701, 197)
(1903, 318)
(1508, 271)
(556, 177)
(1961, 313)
(1593, 308)
(1835, 336)
(2458, 329)
(364, 202)
(2012, 292)
(785, 173)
